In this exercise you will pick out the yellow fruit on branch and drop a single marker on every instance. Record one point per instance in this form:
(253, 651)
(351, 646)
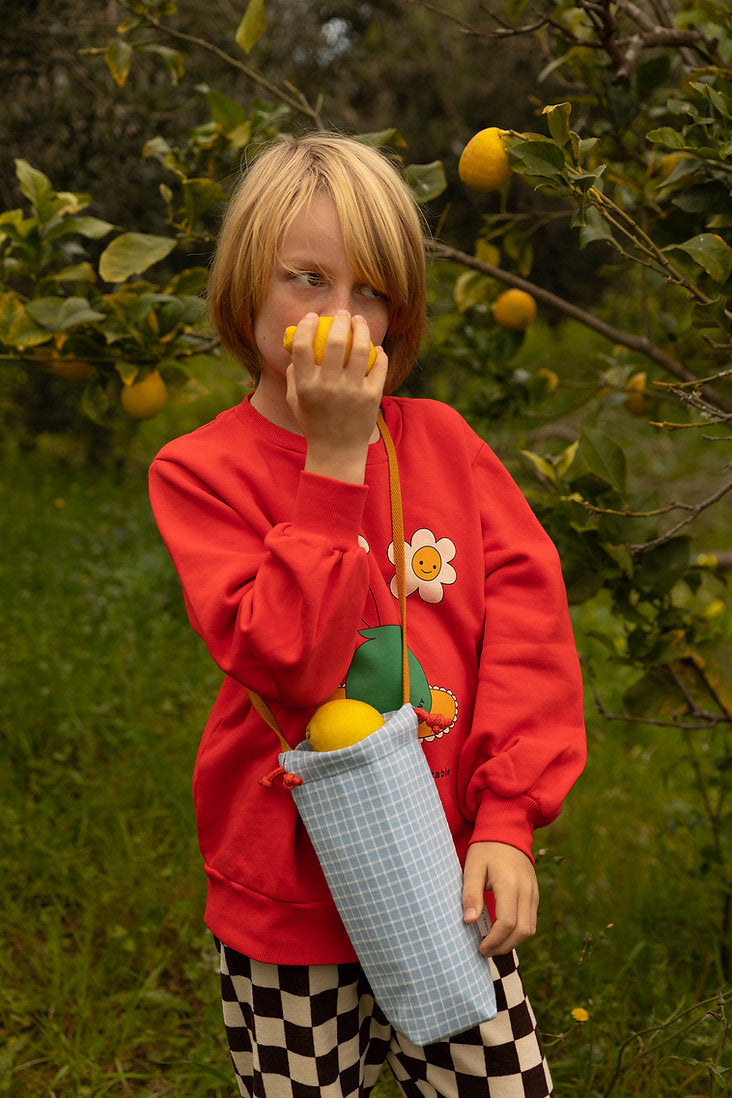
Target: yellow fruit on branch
(71, 369)
(484, 165)
(514, 310)
(340, 723)
(74, 369)
(319, 341)
(145, 398)
(635, 401)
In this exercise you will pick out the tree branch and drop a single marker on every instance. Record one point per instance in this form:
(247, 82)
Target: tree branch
(298, 103)
(634, 342)
(694, 510)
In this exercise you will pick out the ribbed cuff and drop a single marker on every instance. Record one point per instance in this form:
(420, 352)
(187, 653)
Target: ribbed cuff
(331, 508)
(505, 820)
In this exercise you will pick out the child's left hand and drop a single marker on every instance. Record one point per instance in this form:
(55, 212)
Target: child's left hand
(509, 873)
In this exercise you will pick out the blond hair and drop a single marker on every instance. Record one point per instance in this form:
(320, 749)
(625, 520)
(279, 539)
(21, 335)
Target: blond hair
(381, 227)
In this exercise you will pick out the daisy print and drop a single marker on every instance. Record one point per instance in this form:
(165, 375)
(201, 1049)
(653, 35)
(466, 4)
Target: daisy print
(427, 566)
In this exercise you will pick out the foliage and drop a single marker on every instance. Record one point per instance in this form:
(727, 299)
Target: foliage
(613, 410)
(108, 976)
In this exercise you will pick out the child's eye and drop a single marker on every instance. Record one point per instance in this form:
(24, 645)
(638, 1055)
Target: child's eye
(307, 278)
(371, 291)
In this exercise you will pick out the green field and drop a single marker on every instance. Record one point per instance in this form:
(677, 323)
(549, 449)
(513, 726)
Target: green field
(107, 973)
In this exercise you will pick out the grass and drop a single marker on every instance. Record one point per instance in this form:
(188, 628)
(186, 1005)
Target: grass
(108, 975)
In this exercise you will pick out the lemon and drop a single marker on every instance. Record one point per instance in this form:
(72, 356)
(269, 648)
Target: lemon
(73, 369)
(514, 310)
(484, 165)
(635, 401)
(341, 722)
(144, 399)
(321, 335)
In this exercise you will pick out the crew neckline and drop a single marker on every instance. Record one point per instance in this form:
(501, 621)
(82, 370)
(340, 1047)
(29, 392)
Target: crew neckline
(288, 440)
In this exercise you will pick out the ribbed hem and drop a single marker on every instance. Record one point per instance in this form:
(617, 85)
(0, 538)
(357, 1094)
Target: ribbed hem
(272, 931)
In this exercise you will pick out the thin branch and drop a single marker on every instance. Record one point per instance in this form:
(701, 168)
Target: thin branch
(704, 720)
(626, 225)
(694, 511)
(636, 343)
(298, 103)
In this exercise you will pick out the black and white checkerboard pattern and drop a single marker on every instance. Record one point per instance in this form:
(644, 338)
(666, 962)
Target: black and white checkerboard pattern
(315, 1032)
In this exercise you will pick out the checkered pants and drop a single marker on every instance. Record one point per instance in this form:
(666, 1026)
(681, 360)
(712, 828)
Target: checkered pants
(299, 1031)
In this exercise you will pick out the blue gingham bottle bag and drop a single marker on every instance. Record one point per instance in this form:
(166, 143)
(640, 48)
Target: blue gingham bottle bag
(378, 827)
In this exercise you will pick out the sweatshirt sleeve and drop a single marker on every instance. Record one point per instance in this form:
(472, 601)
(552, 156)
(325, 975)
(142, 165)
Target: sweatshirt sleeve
(278, 606)
(526, 746)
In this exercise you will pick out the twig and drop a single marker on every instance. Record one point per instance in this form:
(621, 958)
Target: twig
(694, 511)
(298, 103)
(705, 719)
(636, 343)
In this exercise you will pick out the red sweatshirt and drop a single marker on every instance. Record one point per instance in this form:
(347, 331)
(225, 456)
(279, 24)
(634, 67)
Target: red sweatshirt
(289, 579)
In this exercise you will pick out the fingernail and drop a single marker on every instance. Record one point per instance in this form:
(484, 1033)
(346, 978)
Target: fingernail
(469, 914)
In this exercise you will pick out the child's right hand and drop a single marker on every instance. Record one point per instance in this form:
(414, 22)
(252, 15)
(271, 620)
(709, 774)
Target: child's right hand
(335, 406)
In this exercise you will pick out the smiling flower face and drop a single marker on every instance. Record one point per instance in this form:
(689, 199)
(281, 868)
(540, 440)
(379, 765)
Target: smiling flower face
(427, 565)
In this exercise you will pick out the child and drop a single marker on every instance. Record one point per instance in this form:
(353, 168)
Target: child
(277, 518)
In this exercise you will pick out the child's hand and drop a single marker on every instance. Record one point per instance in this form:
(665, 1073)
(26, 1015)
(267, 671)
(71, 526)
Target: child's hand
(510, 874)
(335, 406)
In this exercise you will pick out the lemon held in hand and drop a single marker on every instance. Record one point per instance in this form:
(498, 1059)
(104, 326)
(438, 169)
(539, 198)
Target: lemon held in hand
(341, 722)
(321, 335)
(484, 165)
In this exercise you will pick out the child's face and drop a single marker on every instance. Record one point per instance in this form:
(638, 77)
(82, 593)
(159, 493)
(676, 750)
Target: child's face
(312, 274)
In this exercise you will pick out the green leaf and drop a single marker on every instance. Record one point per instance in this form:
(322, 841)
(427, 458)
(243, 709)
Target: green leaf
(133, 253)
(190, 281)
(657, 570)
(668, 137)
(557, 117)
(37, 188)
(62, 313)
(711, 314)
(426, 181)
(539, 159)
(710, 252)
(654, 695)
(226, 112)
(77, 272)
(566, 458)
(252, 26)
(172, 59)
(542, 466)
(97, 399)
(128, 371)
(93, 228)
(703, 198)
(380, 138)
(473, 288)
(603, 456)
(199, 195)
(592, 226)
(17, 327)
(118, 56)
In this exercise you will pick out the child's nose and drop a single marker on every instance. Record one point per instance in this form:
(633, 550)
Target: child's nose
(340, 298)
